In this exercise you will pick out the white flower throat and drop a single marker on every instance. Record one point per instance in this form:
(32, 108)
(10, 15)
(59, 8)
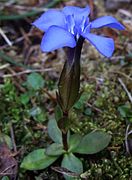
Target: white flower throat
(77, 27)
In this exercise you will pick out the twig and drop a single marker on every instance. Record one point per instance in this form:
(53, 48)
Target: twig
(114, 148)
(5, 174)
(6, 169)
(124, 87)
(13, 137)
(4, 66)
(65, 171)
(24, 8)
(8, 59)
(130, 132)
(26, 72)
(116, 58)
(91, 4)
(49, 95)
(5, 37)
(123, 74)
(16, 41)
(96, 109)
(126, 139)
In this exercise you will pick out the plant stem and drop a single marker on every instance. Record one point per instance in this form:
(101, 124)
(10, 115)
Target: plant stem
(69, 85)
(62, 125)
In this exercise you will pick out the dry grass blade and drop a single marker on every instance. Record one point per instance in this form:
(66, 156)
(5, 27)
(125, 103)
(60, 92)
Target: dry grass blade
(125, 88)
(5, 37)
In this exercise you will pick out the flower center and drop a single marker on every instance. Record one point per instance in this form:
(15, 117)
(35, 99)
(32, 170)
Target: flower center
(77, 27)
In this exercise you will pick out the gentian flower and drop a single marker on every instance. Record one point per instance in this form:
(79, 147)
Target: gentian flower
(64, 27)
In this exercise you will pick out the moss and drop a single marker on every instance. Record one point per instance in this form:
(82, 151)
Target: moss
(106, 97)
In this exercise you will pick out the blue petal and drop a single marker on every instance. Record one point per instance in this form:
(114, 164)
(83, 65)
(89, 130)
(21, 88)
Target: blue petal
(104, 45)
(57, 37)
(77, 12)
(50, 18)
(107, 21)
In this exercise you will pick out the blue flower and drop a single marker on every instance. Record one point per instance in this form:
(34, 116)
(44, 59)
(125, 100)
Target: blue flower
(64, 27)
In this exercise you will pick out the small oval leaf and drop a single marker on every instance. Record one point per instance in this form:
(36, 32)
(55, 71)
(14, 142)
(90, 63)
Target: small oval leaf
(58, 113)
(93, 143)
(55, 149)
(74, 142)
(73, 164)
(37, 160)
(6, 139)
(5, 178)
(35, 81)
(54, 132)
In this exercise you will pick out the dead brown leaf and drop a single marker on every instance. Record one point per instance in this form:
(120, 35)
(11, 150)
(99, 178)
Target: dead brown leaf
(8, 164)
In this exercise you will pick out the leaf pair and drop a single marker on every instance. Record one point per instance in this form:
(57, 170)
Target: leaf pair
(88, 144)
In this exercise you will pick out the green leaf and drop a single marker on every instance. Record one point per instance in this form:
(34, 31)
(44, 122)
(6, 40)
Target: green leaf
(72, 163)
(58, 113)
(82, 100)
(88, 112)
(35, 81)
(125, 111)
(74, 141)
(93, 143)
(54, 132)
(6, 139)
(55, 149)
(5, 178)
(37, 160)
(37, 113)
(24, 98)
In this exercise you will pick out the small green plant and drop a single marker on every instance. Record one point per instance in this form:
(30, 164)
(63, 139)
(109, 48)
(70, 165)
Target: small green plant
(88, 144)
(34, 83)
